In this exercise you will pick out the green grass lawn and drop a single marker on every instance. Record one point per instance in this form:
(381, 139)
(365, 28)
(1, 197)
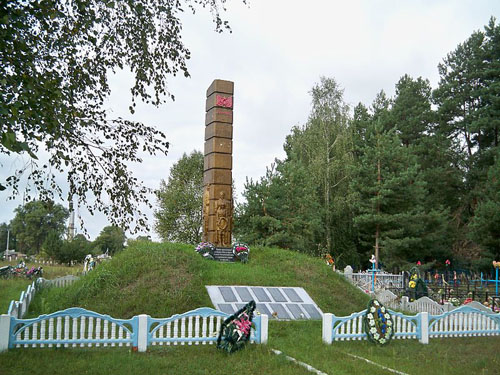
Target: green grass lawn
(175, 360)
(11, 289)
(471, 355)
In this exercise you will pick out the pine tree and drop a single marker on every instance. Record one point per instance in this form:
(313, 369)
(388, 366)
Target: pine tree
(485, 225)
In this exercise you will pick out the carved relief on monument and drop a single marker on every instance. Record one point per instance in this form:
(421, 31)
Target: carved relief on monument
(223, 214)
(206, 212)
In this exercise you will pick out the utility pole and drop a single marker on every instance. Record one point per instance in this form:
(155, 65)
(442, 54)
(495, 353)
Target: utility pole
(71, 225)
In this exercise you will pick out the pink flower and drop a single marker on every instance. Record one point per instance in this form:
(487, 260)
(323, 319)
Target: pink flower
(244, 326)
(418, 263)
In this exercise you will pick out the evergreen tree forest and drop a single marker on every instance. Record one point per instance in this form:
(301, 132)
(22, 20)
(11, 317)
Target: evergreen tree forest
(413, 177)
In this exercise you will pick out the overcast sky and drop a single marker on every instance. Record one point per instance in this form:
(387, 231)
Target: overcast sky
(277, 51)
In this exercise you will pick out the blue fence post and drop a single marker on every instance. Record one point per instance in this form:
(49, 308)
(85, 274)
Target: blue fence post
(258, 330)
(261, 329)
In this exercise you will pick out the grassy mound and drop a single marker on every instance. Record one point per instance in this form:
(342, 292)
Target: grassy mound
(165, 279)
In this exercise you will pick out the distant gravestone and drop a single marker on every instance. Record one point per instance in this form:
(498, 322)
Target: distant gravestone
(348, 272)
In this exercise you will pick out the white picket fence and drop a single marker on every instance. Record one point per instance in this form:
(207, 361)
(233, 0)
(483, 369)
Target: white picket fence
(61, 281)
(461, 322)
(46, 262)
(18, 309)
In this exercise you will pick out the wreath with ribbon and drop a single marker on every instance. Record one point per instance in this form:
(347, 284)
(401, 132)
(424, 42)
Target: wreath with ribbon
(235, 331)
(378, 323)
(241, 251)
(206, 250)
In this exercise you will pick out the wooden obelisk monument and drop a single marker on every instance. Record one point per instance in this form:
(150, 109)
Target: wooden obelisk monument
(218, 164)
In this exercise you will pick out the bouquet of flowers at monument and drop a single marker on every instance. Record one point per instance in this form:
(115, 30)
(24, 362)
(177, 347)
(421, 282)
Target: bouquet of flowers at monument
(206, 250)
(235, 331)
(241, 251)
(378, 323)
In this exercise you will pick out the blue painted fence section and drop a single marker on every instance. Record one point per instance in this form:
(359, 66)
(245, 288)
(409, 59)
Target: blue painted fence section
(77, 327)
(463, 321)
(351, 327)
(200, 326)
(73, 327)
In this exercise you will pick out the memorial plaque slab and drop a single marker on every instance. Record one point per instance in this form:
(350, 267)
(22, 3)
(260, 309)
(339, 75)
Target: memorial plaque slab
(265, 297)
(296, 311)
(292, 295)
(312, 311)
(226, 307)
(227, 294)
(276, 294)
(244, 294)
(262, 308)
(224, 254)
(280, 310)
(261, 295)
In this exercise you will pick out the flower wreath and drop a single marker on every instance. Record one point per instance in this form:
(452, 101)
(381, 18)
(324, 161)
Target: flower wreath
(241, 251)
(206, 250)
(378, 323)
(235, 331)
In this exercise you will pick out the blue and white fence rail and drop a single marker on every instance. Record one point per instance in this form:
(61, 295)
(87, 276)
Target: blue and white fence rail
(76, 327)
(463, 321)
(200, 326)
